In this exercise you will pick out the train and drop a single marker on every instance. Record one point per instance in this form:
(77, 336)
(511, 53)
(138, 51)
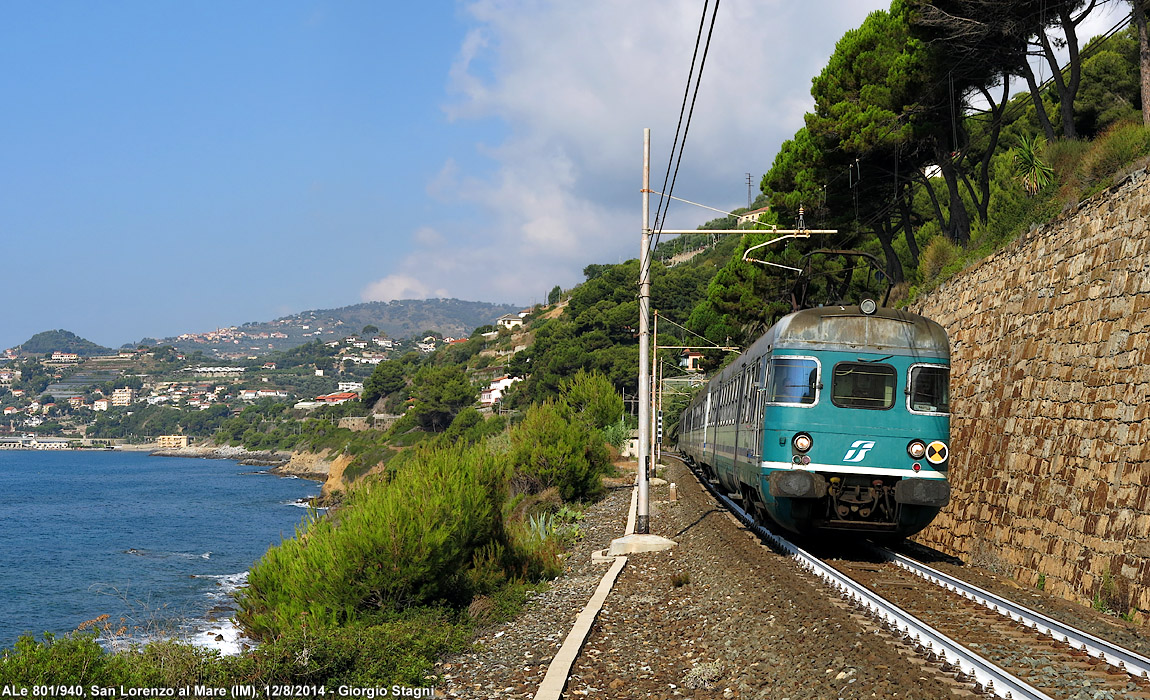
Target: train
(836, 420)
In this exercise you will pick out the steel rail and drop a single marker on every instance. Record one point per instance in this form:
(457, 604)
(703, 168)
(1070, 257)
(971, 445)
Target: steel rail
(986, 676)
(1123, 659)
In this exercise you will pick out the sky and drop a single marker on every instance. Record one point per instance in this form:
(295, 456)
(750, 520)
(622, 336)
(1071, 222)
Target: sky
(171, 167)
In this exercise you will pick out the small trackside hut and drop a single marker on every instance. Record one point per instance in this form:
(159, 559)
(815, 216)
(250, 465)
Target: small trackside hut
(837, 419)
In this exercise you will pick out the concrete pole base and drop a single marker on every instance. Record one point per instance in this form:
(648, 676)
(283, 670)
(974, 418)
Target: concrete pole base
(634, 544)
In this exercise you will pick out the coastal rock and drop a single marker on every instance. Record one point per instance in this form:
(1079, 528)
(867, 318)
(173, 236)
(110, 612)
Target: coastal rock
(307, 465)
(266, 458)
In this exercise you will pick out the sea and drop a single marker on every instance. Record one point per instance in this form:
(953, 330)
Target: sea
(157, 544)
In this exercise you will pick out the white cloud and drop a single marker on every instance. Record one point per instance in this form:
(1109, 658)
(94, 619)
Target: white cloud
(400, 287)
(428, 237)
(575, 84)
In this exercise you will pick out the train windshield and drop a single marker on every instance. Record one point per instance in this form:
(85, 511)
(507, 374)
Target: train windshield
(792, 380)
(863, 385)
(930, 389)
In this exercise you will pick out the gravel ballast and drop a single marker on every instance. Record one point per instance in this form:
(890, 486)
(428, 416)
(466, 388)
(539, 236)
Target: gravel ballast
(717, 616)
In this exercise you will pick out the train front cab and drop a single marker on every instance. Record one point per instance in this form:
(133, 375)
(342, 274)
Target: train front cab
(856, 439)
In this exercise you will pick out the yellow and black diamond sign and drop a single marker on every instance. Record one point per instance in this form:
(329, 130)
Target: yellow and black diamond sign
(936, 452)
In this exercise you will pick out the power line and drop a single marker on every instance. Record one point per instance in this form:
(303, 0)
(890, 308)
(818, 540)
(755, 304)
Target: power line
(682, 110)
(686, 128)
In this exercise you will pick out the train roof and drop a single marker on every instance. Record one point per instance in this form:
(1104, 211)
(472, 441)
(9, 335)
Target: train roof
(837, 327)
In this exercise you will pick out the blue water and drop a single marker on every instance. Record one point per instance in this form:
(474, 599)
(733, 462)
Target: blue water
(158, 541)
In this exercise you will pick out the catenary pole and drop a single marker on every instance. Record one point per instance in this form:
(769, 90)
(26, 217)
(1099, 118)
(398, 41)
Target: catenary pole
(643, 512)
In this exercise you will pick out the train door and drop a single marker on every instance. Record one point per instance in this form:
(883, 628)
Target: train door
(708, 431)
(760, 393)
(754, 410)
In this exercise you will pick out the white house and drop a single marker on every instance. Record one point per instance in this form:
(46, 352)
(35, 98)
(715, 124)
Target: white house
(752, 217)
(494, 392)
(509, 321)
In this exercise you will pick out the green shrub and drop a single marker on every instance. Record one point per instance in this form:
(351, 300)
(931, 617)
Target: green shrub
(394, 545)
(73, 659)
(617, 434)
(470, 426)
(549, 449)
(937, 255)
(1117, 147)
(592, 398)
(402, 650)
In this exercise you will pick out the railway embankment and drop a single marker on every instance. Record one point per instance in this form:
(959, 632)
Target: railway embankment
(720, 615)
(1050, 463)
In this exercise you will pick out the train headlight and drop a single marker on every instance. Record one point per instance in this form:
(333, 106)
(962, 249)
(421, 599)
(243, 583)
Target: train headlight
(916, 449)
(868, 306)
(802, 442)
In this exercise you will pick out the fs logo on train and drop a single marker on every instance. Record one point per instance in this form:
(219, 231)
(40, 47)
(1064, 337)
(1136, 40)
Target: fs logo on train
(858, 450)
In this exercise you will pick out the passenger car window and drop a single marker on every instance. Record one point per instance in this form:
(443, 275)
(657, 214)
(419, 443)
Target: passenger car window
(930, 389)
(863, 385)
(793, 380)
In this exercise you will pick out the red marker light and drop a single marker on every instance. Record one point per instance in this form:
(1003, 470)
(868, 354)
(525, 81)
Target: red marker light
(917, 467)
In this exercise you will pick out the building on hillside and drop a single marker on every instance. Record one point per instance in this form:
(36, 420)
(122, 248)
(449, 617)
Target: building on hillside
(123, 397)
(509, 321)
(75, 401)
(172, 442)
(356, 387)
(337, 398)
(751, 217)
(494, 392)
(691, 361)
(256, 394)
(101, 404)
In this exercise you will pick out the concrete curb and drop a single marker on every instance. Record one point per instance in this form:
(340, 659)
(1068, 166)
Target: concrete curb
(556, 679)
(560, 667)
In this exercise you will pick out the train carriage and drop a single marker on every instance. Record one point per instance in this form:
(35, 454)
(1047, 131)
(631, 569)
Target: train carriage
(837, 419)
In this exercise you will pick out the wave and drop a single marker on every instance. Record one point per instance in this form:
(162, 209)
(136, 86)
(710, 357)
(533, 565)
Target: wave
(305, 503)
(217, 628)
(160, 554)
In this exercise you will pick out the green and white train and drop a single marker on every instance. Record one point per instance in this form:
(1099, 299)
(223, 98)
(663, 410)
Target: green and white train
(837, 419)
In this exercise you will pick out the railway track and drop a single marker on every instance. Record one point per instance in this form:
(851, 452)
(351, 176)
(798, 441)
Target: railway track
(998, 646)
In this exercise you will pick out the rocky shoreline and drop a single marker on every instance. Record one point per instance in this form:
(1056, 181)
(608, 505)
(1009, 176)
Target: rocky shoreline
(304, 465)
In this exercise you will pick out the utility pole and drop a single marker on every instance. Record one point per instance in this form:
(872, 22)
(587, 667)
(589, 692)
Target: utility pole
(643, 513)
(748, 190)
(643, 510)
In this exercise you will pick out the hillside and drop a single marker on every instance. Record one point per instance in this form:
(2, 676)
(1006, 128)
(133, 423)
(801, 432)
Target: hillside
(49, 342)
(396, 319)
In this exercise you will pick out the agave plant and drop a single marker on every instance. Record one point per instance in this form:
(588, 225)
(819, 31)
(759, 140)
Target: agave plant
(1034, 174)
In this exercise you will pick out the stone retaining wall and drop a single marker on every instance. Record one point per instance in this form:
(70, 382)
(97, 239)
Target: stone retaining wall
(1050, 342)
